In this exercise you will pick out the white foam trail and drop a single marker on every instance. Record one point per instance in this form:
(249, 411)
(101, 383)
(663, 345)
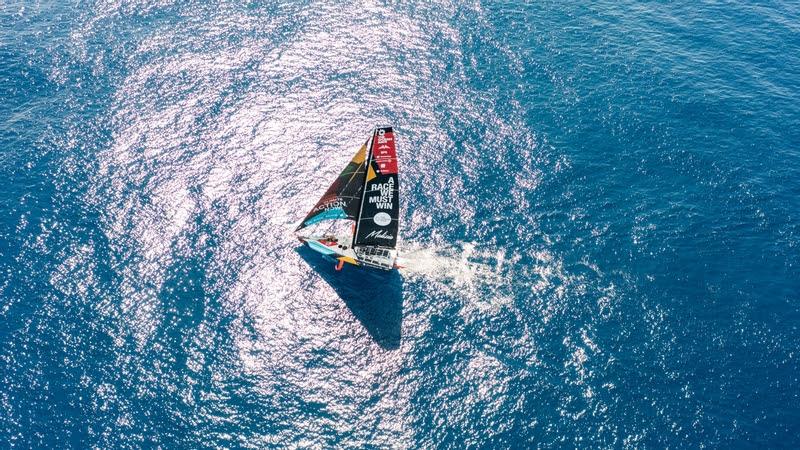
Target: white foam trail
(474, 270)
(479, 276)
(447, 263)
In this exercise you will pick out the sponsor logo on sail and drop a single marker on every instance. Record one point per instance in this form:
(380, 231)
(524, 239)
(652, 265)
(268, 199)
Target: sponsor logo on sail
(382, 219)
(382, 139)
(335, 203)
(379, 234)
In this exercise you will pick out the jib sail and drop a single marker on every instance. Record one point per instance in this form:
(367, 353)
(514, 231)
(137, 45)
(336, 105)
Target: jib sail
(377, 222)
(343, 198)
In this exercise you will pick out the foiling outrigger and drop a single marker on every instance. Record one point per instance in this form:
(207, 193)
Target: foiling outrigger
(364, 196)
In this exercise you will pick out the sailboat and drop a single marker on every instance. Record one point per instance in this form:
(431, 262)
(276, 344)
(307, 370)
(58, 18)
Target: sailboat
(365, 197)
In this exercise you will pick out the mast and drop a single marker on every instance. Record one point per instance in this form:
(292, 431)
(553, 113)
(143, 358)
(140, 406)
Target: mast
(367, 162)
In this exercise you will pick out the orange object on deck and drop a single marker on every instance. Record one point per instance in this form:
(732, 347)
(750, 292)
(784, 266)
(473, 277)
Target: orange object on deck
(340, 265)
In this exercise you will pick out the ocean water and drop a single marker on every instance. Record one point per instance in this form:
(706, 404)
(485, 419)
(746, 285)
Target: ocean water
(600, 207)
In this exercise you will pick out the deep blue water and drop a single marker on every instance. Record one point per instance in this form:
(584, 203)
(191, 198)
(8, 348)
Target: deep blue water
(600, 209)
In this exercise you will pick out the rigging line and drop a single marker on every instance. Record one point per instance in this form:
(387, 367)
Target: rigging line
(364, 191)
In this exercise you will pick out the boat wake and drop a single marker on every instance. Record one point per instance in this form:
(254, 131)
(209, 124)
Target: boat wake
(480, 275)
(463, 265)
(489, 278)
(460, 264)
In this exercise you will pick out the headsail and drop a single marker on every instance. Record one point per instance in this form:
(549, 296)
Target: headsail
(342, 200)
(377, 223)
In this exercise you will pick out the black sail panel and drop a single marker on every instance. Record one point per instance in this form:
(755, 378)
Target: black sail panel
(380, 208)
(342, 200)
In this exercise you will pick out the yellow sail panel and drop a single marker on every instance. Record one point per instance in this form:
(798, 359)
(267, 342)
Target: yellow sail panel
(361, 155)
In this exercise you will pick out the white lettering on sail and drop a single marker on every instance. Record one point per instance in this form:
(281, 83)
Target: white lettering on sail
(336, 203)
(383, 194)
(379, 234)
(382, 139)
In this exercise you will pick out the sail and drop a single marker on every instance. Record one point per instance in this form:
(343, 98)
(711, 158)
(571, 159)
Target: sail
(343, 197)
(377, 222)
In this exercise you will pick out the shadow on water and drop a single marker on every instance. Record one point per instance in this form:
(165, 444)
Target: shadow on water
(373, 296)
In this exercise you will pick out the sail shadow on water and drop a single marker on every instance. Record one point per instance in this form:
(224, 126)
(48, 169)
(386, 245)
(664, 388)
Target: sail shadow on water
(373, 296)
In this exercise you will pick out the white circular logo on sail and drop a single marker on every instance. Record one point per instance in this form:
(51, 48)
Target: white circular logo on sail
(382, 219)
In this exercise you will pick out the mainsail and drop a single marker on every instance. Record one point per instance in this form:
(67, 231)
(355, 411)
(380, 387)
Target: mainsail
(366, 192)
(377, 223)
(342, 200)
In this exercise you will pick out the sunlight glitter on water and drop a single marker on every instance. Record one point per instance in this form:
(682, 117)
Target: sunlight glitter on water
(219, 151)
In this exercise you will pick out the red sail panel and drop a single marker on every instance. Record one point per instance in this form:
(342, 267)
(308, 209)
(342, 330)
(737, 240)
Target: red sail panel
(385, 153)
